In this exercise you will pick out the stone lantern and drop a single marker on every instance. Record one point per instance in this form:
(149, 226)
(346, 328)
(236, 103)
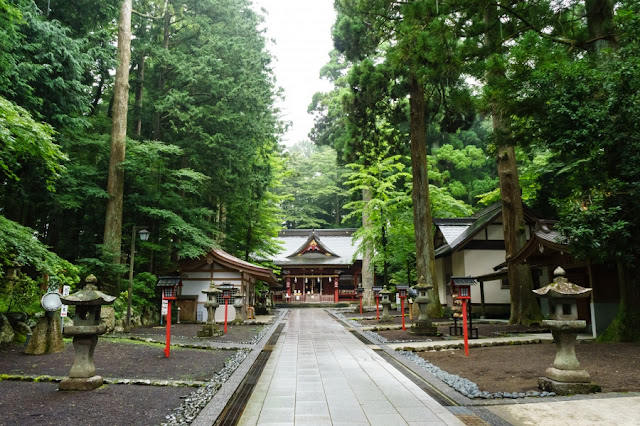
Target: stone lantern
(423, 325)
(238, 303)
(565, 377)
(210, 329)
(85, 331)
(386, 304)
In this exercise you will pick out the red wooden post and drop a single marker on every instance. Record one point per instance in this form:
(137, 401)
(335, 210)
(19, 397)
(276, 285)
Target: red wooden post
(465, 331)
(226, 307)
(167, 348)
(335, 286)
(360, 304)
(377, 308)
(402, 308)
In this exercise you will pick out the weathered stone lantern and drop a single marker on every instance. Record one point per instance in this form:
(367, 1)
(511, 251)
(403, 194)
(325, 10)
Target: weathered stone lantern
(85, 331)
(423, 325)
(238, 304)
(565, 377)
(386, 304)
(210, 329)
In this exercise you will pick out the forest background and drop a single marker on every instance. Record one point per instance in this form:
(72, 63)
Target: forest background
(446, 89)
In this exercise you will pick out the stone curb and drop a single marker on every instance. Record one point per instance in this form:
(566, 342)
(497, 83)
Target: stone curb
(472, 344)
(107, 381)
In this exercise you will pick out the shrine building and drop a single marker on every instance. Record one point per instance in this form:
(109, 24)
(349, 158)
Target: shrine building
(318, 265)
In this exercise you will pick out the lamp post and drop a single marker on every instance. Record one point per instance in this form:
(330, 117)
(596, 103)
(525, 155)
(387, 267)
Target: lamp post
(360, 290)
(144, 236)
(169, 288)
(226, 293)
(402, 293)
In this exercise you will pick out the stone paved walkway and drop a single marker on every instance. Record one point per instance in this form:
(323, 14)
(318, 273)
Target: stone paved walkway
(319, 373)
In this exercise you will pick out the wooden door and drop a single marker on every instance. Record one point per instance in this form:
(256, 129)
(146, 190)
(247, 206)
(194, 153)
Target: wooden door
(187, 309)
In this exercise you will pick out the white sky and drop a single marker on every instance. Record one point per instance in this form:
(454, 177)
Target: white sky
(302, 33)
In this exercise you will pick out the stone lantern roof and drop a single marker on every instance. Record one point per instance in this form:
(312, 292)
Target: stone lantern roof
(89, 295)
(561, 288)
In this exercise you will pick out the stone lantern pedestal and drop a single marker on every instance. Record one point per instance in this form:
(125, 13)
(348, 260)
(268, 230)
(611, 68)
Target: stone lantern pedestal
(210, 328)
(386, 305)
(85, 331)
(423, 325)
(566, 377)
(238, 304)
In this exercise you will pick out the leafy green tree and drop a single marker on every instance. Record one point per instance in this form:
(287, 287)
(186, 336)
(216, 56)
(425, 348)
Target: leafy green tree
(312, 187)
(582, 108)
(387, 182)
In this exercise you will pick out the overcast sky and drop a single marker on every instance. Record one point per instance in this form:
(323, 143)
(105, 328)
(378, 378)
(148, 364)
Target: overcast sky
(302, 33)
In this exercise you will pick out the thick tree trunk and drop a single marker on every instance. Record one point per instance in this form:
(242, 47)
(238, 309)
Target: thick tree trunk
(115, 183)
(524, 306)
(157, 133)
(137, 106)
(367, 257)
(425, 263)
(600, 24)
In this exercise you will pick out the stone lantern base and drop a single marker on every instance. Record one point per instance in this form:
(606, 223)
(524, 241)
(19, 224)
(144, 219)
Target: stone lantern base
(567, 388)
(81, 383)
(424, 328)
(210, 330)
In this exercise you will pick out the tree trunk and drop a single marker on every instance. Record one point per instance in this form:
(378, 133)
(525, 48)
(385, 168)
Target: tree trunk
(425, 258)
(157, 133)
(137, 106)
(115, 183)
(367, 256)
(600, 24)
(524, 306)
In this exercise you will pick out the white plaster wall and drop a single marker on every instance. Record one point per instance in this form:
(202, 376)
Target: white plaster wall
(480, 262)
(458, 264)
(495, 232)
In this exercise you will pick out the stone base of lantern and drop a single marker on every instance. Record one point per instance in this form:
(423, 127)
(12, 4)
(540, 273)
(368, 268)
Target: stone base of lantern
(81, 383)
(567, 388)
(424, 328)
(210, 330)
(567, 376)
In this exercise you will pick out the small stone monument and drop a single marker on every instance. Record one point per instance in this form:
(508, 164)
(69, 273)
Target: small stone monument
(423, 325)
(386, 305)
(46, 337)
(85, 331)
(565, 377)
(210, 329)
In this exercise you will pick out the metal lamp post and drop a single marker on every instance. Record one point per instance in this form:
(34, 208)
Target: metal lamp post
(144, 236)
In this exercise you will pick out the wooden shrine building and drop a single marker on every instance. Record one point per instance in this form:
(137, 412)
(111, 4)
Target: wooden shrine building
(318, 265)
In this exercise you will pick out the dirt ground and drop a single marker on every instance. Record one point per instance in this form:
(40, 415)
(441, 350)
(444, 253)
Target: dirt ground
(187, 333)
(515, 368)
(41, 403)
(484, 330)
(121, 359)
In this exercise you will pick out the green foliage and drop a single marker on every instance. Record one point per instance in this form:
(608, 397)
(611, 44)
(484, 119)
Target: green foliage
(25, 142)
(311, 188)
(21, 251)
